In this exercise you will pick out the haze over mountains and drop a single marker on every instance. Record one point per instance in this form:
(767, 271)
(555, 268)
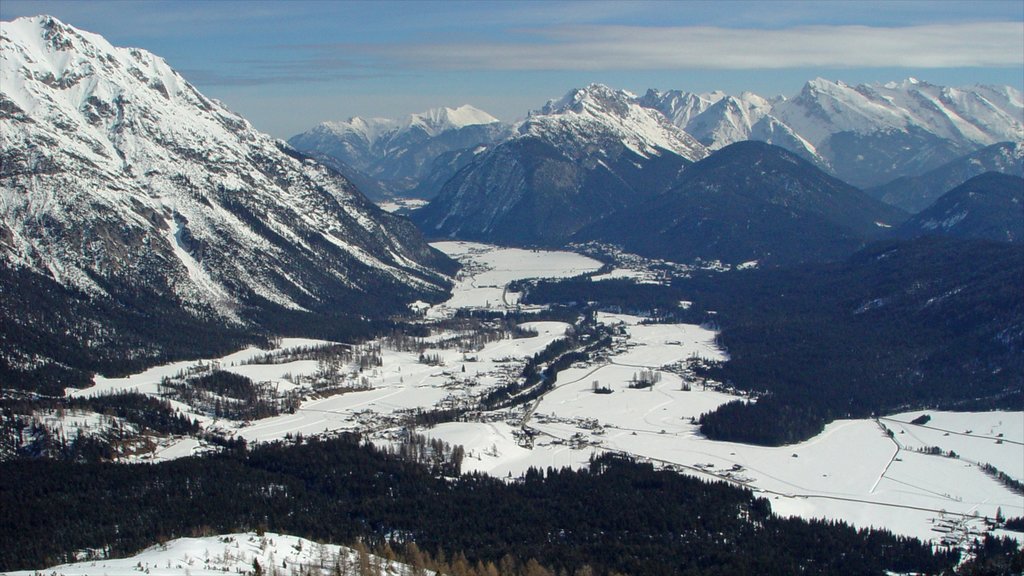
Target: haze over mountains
(915, 193)
(986, 207)
(749, 201)
(386, 157)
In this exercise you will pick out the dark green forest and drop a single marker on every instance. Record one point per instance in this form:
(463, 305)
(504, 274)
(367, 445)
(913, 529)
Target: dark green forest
(617, 515)
(898, 326)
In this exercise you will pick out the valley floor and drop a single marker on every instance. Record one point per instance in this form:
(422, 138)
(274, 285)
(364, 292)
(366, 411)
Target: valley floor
(923, 480)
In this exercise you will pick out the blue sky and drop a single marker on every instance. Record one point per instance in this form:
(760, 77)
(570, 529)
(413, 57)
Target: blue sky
(288, 65)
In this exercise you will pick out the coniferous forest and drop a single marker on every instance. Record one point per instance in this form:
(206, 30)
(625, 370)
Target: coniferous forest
(616, 516)
(897, 326)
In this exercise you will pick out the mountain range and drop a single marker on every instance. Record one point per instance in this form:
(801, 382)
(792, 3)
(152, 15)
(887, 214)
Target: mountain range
(867, 135)
(136, 211)
(592, 152)
(142, 220)
(915, 193)
(387, 157)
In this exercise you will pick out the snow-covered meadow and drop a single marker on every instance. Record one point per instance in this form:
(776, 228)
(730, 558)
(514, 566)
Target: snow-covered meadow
(854, 470)
(276, 554)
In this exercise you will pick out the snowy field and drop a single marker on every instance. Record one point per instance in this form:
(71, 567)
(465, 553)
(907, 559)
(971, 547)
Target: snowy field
(487, 270)
(854, 471)
(230, 554)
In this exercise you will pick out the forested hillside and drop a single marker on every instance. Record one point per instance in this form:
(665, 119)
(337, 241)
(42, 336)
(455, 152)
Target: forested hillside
(616, 516)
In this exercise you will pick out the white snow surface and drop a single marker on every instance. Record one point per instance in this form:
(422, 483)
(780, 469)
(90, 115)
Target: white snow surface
(433, 122)
(225, 554)
(598, 113)
(111, 150)
(487, 270)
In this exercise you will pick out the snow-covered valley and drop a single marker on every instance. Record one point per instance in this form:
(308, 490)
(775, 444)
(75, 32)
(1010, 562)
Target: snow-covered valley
(926, 480)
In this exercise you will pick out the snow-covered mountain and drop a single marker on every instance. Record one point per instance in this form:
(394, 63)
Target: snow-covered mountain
(729, 120)
(386, 157)
(866, 134)
(121, 184)
(680, 107)
(981, 114)
(598, 112)
(578, 158)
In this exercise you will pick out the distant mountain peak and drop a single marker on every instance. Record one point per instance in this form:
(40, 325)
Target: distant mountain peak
(437, 120)
(594, 97)
(600, 113)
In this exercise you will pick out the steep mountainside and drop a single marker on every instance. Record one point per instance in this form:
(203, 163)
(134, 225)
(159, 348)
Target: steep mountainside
(749, 201)
(131, 204)
(915, 193)
(987, 207)
(390, 157)
(572, 162)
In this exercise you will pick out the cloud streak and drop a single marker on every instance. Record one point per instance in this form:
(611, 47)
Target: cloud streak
(979, 44)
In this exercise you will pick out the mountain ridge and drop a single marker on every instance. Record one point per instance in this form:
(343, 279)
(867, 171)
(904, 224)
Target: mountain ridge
(389, 157)
(122, 184)
(916, 193)
(593, 151)
(989, 206)
(749, 202)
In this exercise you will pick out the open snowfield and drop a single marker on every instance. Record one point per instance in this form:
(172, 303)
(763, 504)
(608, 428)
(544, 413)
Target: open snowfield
(227, 554)
(488, 269)
(404, 384)
(146, 382)
(853, 471)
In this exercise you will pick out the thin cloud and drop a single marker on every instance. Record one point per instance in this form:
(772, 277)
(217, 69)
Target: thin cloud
(201, 77)
(979, 44)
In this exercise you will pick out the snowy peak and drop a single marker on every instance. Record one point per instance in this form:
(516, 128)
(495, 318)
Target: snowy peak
(729, 120)
(368, 129)
(117, 175)
(572, 162)
(387, 157)
(680, 107)
(437, 120)
(979, 115)
(591, 121)
(375, 131)
(76, 66)
(595, 98)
